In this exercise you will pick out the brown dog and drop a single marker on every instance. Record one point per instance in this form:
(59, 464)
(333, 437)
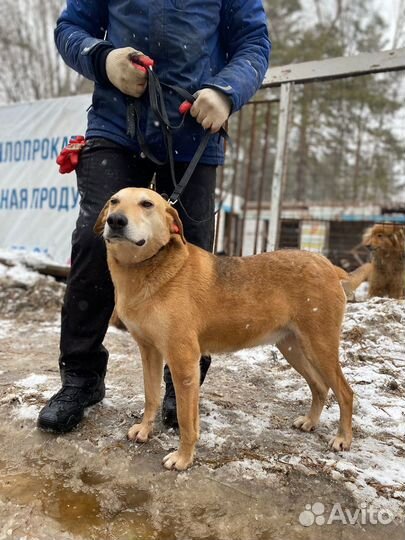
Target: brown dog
(387, 243)
(180, 302)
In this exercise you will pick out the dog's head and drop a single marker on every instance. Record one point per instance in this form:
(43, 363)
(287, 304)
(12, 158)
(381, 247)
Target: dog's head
(385, 238)
(136, 223)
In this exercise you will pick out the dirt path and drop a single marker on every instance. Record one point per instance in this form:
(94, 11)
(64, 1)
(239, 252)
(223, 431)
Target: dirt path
(254, 474)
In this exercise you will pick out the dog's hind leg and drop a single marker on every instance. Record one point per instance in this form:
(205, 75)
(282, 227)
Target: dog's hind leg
(292, 350)
(323, 354)
(152, 363)
(185, 369)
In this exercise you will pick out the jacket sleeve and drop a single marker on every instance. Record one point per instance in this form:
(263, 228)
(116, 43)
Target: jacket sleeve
(247, 46)
(79, 34)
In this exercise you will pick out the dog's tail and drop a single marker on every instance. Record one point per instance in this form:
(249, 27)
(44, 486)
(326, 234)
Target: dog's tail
(350, 281)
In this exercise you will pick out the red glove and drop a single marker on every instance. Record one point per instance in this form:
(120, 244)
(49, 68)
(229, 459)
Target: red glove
(68, 158)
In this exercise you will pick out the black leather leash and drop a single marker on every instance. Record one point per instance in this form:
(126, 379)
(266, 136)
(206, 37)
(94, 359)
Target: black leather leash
(157, 105)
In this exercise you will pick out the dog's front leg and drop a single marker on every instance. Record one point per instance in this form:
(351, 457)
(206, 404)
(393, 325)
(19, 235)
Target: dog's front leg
(186, 377)
(152, 363)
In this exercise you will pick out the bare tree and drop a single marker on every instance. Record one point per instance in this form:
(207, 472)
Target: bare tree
(31, 67)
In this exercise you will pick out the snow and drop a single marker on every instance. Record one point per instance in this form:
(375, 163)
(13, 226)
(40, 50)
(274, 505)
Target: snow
(28, 412)
(5, 327)
(19, 274)
(22, 257)
(247, 407)
(32, 381)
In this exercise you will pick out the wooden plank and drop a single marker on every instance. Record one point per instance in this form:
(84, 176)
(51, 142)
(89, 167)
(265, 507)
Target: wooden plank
(47, 269)
(336, 68)
(54, 270)
(280, 165)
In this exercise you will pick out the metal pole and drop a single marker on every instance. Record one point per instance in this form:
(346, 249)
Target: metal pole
(280, 164)
(230, 248)
(262, 175)
(249, 176)
(220, 199)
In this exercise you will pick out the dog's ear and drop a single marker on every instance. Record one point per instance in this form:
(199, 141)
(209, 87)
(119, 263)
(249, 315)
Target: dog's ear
(99, 225)
(176, 226)
(368, 233)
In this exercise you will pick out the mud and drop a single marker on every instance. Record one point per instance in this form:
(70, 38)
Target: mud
(254, 475)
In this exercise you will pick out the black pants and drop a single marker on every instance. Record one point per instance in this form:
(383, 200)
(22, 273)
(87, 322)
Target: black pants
(104, 169)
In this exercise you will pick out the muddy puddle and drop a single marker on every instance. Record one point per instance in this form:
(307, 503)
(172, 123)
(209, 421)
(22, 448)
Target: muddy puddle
(49, 501)
(81, 513)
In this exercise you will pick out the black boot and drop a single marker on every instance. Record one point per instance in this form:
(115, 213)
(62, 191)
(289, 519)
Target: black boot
(66, 408)
(169, 412)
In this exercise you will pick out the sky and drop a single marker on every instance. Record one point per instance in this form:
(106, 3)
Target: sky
(389, 9)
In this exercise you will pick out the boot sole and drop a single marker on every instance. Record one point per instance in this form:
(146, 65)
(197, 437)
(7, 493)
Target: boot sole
(56, 427)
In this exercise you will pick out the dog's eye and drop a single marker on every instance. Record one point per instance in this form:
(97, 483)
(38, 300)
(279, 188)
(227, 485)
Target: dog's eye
(114, 201)
(147, 204)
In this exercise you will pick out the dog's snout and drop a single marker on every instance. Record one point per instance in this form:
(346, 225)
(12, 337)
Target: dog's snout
(117, 221)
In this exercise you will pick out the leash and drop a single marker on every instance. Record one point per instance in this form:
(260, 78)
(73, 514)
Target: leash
(157, 104)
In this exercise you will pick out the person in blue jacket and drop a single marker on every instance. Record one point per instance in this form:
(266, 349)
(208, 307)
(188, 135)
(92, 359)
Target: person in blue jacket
(217, 50)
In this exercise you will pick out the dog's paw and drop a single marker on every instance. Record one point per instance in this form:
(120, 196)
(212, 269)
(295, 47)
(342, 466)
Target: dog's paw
(176, 460)
(338, 443)
(139, 432)
(304, 423)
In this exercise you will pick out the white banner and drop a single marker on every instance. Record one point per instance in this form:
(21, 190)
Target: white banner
(39, 206)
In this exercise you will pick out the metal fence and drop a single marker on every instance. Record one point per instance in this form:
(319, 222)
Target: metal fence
(317, 157)
(245, 176)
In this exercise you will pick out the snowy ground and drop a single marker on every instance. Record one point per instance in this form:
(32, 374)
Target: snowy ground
(254, 475)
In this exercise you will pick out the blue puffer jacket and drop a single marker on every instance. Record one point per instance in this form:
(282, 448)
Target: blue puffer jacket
(220, 44)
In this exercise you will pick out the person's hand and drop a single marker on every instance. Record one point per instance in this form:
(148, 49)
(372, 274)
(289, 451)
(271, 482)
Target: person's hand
(211, 109)
(125, 75)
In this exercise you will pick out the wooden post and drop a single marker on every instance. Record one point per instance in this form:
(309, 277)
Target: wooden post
(280, 165)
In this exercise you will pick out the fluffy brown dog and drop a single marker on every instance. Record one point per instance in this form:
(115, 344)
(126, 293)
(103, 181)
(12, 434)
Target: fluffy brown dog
(387, 243)
(179, 302)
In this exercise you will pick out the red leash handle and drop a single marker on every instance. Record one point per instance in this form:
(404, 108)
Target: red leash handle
(185, 107)
(142, 62)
